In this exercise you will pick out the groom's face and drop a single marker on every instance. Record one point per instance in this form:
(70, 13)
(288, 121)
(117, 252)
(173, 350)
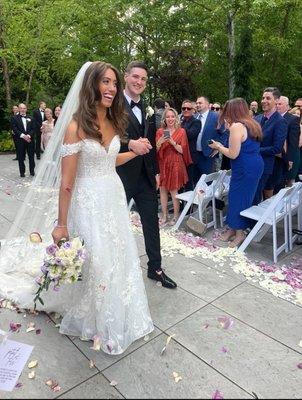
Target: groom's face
(136, 81)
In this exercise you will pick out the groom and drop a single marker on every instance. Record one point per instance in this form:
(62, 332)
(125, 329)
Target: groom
(138, 175)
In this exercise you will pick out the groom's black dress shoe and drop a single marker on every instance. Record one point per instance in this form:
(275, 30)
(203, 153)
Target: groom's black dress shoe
(163, 278)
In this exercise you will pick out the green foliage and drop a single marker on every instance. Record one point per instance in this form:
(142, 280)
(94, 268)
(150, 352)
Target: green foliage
(185, 44)
(6, 142)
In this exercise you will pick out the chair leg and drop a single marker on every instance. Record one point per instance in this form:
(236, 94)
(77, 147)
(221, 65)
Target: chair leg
(275, 256)
(182, 216)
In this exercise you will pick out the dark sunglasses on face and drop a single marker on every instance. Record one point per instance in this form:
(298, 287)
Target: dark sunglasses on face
(186, 108)
(215, 108)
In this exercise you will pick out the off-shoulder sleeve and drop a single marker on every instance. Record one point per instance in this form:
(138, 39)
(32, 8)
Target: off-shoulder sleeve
(68, 149)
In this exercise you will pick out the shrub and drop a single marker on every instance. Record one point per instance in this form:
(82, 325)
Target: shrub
(6, 141)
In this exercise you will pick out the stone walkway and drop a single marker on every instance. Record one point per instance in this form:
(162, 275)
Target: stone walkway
(257, 357)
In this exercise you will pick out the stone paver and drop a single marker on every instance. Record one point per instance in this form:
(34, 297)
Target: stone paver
(257, 356)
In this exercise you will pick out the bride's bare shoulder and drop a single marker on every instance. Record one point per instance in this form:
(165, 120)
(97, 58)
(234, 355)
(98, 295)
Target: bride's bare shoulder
(73, 134)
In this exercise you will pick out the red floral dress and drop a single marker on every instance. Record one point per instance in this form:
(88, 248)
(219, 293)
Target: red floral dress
(172, 164)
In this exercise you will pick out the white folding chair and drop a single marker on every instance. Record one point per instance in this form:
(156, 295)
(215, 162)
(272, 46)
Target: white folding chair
(223, 192)
(204, 192)
(270, 212)
(295, 208)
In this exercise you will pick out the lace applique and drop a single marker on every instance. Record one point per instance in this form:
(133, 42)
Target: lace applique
(68, 149)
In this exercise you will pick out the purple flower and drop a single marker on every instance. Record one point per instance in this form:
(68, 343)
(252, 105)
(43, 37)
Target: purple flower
(217, 395)
(58, 261)
(51, 249)
(44, 268)
(66, 245)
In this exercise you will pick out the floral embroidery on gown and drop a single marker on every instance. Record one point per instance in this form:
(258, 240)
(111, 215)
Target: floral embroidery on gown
(110, 302)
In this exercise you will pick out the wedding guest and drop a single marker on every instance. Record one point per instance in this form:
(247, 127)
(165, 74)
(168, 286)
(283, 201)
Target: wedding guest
(274, 129)
(192, 127)
(291, 153)
(246, 164)
(38, 118)
(159, 108)
(216, 107)
(47, 128)
(15, 111)
(23, 128)
(56, 112)
(173, 158)
(254, 108)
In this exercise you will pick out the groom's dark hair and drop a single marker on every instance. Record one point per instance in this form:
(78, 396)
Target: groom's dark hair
(136, 64)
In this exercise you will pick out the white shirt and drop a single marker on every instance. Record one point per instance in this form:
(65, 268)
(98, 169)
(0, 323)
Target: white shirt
(203, 118)
(136, 110)
(42, 114)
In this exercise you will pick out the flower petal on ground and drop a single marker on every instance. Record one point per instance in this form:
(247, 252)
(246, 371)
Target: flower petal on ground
(225, 322)
(217, 395)
(96, 343)
(113, 383)
(32, 364)
(32, 375)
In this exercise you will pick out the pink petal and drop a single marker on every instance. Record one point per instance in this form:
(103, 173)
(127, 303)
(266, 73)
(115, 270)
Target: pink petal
(224, 349)
(18, 385)
(14, 327)
(217, 395)
(226, 322)
(299, 365)
(38, 331)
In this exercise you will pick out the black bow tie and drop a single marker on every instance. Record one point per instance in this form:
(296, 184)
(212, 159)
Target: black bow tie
(23, 115)
(138, 104)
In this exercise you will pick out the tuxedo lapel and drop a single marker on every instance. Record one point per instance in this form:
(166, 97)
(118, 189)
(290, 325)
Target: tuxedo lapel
(132, 119)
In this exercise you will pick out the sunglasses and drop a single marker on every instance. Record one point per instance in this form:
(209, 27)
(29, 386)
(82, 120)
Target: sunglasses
(186, 108)
(215, 108)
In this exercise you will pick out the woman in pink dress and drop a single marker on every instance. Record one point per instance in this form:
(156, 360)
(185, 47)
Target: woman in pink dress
(47, 128)
(173, 157)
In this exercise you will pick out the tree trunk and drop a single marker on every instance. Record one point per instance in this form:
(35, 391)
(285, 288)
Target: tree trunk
(31, 75)
(231, 51)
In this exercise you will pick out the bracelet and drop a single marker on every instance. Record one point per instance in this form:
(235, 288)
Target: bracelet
(61, 226)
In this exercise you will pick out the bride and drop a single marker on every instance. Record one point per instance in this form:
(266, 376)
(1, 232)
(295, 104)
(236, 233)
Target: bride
(110, 302)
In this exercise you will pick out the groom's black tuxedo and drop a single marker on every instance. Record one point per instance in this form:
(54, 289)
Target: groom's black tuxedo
(138, 177)
(22, 145)
(131, 171)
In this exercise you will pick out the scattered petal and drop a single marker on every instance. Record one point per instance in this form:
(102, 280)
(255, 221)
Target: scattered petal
(193, 272)
(57, 325)
(18, 385)
(84, 339)
(158, 283)
(32, 375)
(38, 331)
(217, 395)
(300, 343)
(299, 365)
(225, 322)
(91, 364)
(32, 364)
(14, 327)
(113, 383)
(56, 388)
(176, 377)
(35, 237)
(146, 338)
(224, 349)
(206, 326)
(49, 382)
(30, 329)
(167, 342)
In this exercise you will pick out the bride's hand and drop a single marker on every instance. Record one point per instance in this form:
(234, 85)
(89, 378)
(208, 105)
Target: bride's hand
(59, 234)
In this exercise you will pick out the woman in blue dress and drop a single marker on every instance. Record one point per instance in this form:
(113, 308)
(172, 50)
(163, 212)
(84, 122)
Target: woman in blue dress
(246, 165)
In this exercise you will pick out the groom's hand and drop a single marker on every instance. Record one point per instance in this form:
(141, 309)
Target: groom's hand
(140, 146)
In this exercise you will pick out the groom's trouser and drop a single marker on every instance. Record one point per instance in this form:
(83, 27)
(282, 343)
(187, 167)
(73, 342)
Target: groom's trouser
(145, 198)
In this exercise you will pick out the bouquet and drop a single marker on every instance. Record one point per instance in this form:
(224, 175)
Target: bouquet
(62, 264)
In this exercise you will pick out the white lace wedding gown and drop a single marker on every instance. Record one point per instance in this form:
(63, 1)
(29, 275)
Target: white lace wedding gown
(110, 302)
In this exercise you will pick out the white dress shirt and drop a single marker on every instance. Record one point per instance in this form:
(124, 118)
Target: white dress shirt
(42, 115)
(136, 110)
(202, 117)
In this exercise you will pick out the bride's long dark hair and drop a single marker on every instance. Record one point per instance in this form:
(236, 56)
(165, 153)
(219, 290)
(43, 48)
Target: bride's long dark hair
(86, 114)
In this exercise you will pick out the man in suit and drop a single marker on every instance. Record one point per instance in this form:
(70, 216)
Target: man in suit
(254, 108)
(38, 117)
(208, 131)
(192, 127)
(139, 175)
(274, 129)
(291, 154)
(23, 129)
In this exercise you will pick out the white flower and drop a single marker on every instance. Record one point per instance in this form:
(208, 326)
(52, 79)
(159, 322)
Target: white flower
(76, 243)
(28, 119)
(149, 112)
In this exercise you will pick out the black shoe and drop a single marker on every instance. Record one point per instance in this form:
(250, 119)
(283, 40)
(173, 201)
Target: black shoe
(14, 159)
(32, 174)
(163, 278)
(38, 157)
(22, 175)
